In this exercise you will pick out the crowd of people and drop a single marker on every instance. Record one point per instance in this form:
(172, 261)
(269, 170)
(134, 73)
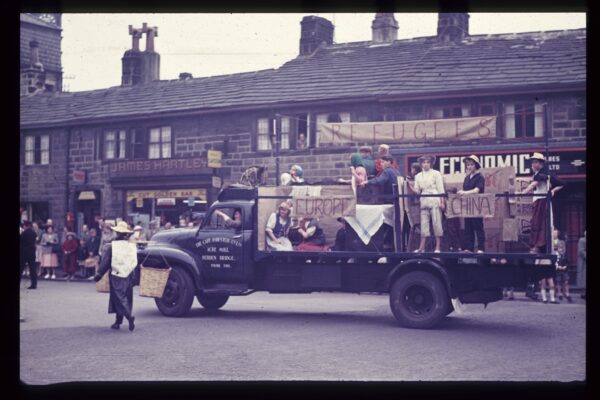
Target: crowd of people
(78, 255)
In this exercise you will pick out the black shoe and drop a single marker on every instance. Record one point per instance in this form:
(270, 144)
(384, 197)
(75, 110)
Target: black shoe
(32, 287)
(545, 301)
(554, 302)
(116, 325)
(131, 324)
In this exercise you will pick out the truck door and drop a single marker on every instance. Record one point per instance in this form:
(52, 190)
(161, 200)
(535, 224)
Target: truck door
(220, 244)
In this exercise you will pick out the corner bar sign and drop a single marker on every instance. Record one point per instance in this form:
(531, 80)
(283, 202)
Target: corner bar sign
(454, 129)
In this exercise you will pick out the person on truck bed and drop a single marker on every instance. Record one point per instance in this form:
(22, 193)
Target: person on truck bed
(429, 181)
(474, 183)
(387, 179)
(541, 183)
(384, 150)
(277, 229)
(297, 174)
(367, 160)
(313, 238)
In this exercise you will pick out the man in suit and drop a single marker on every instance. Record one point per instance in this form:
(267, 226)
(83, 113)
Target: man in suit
(27, 254)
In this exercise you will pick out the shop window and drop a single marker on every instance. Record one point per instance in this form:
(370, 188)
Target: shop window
(37, 150)
(263, 141)
(160, 143)
(524, 120)
(115, 144)
(36, 211)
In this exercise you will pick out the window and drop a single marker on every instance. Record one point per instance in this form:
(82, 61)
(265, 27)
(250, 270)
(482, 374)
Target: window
(524, 120)
(37, 150)
(285, 133)
(139, 144)
(114, 144)
(328, 118)
(263, 141)
(217, 221)
(450, 111)
(160, 143)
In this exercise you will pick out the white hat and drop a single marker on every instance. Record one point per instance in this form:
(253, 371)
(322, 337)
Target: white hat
(121, 227)
(538, 156)
(473, 158)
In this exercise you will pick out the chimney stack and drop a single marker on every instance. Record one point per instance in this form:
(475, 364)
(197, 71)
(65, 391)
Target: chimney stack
(314, 31)
(384, 28)
(141, 66)
(34, 46)
(452, 27)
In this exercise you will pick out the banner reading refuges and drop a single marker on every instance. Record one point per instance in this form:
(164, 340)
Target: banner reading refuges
(408, 131)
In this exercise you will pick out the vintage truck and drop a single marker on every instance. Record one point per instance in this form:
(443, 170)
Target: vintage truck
(213, 262)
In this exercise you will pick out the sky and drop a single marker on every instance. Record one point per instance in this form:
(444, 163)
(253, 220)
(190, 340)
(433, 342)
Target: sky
(219, 44)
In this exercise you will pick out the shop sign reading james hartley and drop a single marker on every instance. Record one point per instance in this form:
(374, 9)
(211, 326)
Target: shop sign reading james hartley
(170, 166)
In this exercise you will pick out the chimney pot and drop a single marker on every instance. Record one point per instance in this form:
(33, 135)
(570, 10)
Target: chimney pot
(384, 28)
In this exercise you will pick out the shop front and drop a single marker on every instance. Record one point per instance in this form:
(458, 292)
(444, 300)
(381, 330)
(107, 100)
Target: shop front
(169, 205)
(163, 190)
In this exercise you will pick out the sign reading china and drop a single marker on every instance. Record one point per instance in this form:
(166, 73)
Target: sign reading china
(470, 205)
(409, 131)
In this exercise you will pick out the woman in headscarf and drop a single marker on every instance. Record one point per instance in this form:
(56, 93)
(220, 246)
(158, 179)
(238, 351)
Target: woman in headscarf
(357, 170)
(277, 229)
(297, 174)
(49, 258)
(120, 257)
(69, 248)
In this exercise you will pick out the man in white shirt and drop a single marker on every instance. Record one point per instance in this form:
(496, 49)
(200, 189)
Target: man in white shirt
(429, 181)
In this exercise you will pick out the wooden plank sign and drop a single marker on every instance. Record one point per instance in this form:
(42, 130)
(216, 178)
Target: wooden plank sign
(470, 205)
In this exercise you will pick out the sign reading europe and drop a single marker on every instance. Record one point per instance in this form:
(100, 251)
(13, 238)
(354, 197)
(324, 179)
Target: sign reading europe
(409, 131)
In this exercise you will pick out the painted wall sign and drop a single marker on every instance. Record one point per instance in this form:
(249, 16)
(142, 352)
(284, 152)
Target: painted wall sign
(173, 193)
(171, 166)
(563, 162)
(78, 176)
(214, 158)
(219, 252)
(449, 129)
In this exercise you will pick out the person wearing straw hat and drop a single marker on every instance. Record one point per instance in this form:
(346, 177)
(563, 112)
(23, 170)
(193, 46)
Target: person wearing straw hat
(429, 181)
(542, 182)
(474, 183)
(120, 257)
(277, 229)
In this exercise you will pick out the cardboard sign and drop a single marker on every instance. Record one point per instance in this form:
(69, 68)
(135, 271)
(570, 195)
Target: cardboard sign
(319, 207)
(450, 129)
(470, 206)
(214, 158)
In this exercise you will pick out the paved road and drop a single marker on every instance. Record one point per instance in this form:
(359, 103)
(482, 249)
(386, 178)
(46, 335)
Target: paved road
(321, 336)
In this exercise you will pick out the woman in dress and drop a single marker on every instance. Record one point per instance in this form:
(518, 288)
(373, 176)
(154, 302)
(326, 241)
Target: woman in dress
(69, 248)
(49, 244)
(277, 229)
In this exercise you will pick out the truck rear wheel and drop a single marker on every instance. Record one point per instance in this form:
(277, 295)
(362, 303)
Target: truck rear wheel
(178, 295)
(212, 301)
(419, 300)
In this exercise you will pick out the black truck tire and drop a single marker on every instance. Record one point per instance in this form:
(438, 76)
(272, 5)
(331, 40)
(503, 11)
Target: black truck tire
(419, 299)
(212, 301)
(178, 295)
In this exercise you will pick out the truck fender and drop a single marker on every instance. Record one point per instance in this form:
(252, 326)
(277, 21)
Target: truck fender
(157, 256)
(428, 265)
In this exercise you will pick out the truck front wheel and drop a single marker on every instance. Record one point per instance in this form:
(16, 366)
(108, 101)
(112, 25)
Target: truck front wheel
(419, 300)
(212, 301)
(178, 295)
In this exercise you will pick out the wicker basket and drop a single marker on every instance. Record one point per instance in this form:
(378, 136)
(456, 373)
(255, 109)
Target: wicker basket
(103, 285)
(153, 281)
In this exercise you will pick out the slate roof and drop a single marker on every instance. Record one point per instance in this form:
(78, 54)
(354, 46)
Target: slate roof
(341, 71)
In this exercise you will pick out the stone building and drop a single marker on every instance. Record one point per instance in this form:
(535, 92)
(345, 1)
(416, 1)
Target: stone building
(140, 150)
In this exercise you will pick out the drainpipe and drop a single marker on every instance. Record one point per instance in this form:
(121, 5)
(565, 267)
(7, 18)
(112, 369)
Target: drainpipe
(68, 149)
